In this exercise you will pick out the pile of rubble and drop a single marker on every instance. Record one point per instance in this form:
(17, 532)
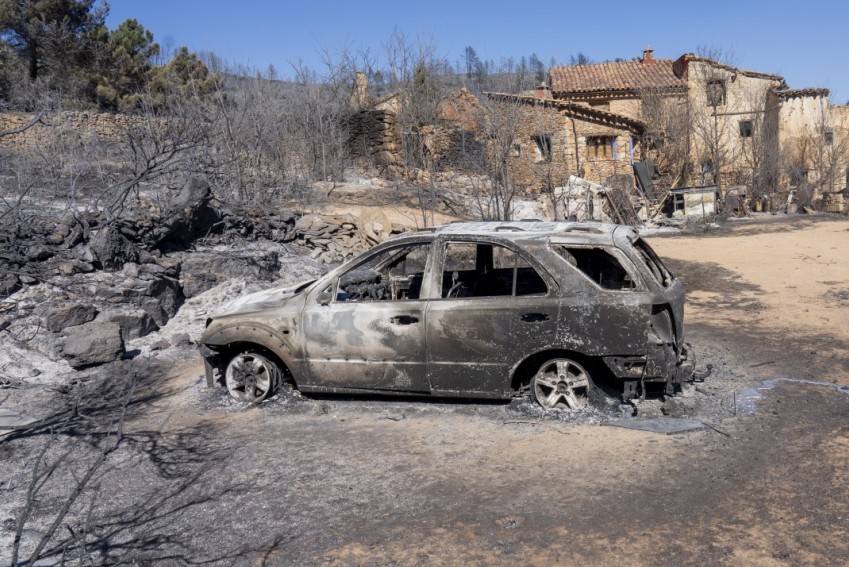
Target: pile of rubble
(335, 239)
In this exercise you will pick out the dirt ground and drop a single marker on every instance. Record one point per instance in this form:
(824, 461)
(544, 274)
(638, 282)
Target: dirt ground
(377, 482)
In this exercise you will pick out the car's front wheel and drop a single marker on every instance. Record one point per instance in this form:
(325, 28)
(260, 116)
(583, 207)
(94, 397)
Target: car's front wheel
(561, 383)
(251, 377)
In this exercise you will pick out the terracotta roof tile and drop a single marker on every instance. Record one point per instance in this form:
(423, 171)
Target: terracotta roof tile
(784, 94)
(577, 110)
(621, 76)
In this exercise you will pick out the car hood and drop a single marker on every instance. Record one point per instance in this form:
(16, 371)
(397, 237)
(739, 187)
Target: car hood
(266, 299)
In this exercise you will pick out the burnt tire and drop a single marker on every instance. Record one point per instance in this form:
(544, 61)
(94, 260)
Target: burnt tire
(251, 377)
(562, 383)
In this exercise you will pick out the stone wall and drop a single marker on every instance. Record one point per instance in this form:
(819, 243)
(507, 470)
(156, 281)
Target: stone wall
(373, 138)
(630, 107)
(333, 239)
(106, 127)
(569, 149)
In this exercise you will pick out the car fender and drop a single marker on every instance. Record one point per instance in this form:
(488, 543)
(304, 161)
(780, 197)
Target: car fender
(259, 334)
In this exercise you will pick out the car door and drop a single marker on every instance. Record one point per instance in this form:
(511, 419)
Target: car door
(494, 308)
(604, 310)
(368, 332)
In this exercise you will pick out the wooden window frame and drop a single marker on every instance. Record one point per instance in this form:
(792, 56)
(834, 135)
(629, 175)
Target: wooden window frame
(600, 147)
(715, 92)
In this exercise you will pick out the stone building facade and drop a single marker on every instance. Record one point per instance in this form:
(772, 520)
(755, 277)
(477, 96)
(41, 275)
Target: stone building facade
(554, 139)
(742, 125)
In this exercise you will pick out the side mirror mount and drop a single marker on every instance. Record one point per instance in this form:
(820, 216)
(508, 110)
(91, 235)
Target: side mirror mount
(325, 297)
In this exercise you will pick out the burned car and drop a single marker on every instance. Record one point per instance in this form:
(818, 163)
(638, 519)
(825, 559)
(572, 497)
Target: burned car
(563, 311)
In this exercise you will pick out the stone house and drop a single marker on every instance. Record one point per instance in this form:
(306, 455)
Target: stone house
(740, 126)
(552, 139)
(699, 121)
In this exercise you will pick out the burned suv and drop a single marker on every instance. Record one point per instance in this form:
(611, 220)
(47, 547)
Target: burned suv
(479, 309)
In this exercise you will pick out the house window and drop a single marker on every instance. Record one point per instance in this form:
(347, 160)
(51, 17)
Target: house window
(828, 137)
(543, 144)
(746, 128)
(599, 147)
(716, 92)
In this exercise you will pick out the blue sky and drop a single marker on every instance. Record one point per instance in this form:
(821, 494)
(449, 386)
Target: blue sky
(806, 42)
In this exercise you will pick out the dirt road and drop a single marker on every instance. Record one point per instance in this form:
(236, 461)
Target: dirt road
(336, 481)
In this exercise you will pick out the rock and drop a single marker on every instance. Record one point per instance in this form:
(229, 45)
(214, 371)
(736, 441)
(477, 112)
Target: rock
(77, 234)
(195, 192)
(59, 234)
(111, 250)
(9, 284)
(38, 253)
(152, 291)
(201, 271)
(93, 344)
(59, 318)
(67, 231)
(161, 344)
(171, 265)
(82, 253)
(678, 407)
(180, 340)
(131, 270)
(135, 323)
(309, 222)
(165, 293)
(188, 217)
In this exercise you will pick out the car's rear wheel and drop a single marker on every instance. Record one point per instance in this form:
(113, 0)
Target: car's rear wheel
(251, 377)
(561, 383)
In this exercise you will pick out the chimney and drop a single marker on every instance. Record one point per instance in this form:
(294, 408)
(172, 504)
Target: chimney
(359, 94)
(542, 92)
(648, 56)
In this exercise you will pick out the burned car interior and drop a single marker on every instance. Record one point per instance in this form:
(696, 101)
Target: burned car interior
(487, 270)
(599, 266)
(481, 310)
(394, 275)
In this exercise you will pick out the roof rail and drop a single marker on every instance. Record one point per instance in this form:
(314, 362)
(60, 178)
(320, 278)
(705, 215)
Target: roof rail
(580, 228)
(509, 228)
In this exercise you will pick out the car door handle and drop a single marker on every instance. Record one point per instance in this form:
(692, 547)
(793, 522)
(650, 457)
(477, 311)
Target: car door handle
(404, 320)
(534, 317)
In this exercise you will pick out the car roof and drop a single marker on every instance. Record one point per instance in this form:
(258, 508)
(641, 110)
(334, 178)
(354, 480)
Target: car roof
(541, 232)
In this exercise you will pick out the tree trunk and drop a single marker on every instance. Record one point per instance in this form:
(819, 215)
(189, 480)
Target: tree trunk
(33, 62)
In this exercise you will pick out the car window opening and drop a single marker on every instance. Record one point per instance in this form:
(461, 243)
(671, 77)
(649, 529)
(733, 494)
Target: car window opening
(393, 275)
(652, 261)
(600, 266)
(488, 270)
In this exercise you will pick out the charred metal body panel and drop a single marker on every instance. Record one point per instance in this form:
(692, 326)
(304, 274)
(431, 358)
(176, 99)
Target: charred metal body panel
(462, 309)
